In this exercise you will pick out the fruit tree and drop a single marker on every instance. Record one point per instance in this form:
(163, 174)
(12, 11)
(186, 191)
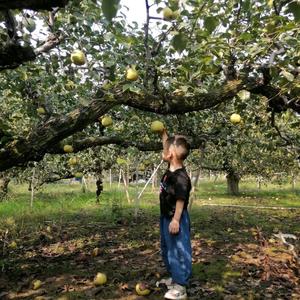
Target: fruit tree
(190, 59)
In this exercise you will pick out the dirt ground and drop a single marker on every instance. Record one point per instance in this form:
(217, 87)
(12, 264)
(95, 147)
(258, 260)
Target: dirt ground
(231, 260)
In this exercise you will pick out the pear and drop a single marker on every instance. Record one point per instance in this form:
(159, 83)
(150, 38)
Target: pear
(235, 119)
(78, 57)
(95, 252)
(142, 290)
(106, 121)
(100, 279)
(36, 284)
(132, 74)
(168, 14)
(70, 85)
(73, 161)
(157, 126)
(68, 148)
(41, 110)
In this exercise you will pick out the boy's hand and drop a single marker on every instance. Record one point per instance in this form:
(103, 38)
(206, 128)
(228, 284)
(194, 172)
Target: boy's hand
(164, 133)
(164, 136)
(174, 226)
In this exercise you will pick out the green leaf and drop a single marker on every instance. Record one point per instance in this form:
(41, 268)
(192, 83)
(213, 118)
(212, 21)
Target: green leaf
(210, 23)
(179, 42)
(110, 8)
(207, 59)
(246, 5)
(121, 161)
(126, 87)
(246, 36)
(294, 8)
(289, 76)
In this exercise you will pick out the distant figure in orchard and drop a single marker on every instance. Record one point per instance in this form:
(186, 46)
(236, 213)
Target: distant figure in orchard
(175, 188)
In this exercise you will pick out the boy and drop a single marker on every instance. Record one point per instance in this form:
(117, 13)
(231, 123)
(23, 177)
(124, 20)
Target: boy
(174, 220)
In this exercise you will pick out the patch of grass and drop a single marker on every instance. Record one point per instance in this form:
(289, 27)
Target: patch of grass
(210, 270)
(216, 270)
(268, 195)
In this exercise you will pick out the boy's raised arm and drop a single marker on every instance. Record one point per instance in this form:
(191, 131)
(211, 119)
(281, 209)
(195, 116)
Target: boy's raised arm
(164, 137)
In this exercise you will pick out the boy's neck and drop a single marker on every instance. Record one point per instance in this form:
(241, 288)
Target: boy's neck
(175, 165)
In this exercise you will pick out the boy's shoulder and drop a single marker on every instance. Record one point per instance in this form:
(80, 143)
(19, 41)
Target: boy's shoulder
(181, 174)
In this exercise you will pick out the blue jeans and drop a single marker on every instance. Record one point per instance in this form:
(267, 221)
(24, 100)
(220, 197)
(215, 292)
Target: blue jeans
(176, 249)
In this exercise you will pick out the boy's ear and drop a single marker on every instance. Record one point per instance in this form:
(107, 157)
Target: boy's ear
(171, 151)
(169, 154)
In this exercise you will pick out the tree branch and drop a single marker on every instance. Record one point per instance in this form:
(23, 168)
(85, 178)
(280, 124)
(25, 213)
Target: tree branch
(55, 129)
(12, 55)
(197, 17)
(51, 42)
(273, 124)
(183, 104)
(44, 137)
(32, 4)
(146, 44)
(217, 169)
(11, 24)
(82, 144)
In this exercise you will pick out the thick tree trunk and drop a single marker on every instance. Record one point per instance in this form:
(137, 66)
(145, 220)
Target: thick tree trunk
(4, 181)
(233, 183)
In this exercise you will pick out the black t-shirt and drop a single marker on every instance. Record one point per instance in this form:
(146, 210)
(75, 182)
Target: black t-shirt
(174, 186)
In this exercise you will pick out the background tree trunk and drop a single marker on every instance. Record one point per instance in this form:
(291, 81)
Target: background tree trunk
(194, 187)
(258, 181)
(99, 186)
(233, 183)
(4, 181)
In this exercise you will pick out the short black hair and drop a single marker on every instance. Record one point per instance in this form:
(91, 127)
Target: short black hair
(182, 142)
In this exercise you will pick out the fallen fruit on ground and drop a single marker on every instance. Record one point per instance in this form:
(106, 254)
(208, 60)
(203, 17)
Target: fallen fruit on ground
(157, 126)
(235, 118)
(142, 290)
(95, 252)
(100, 279)
(63, 298)
(78, 57)
(68, 148)
(12, 245)
(36, 284)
